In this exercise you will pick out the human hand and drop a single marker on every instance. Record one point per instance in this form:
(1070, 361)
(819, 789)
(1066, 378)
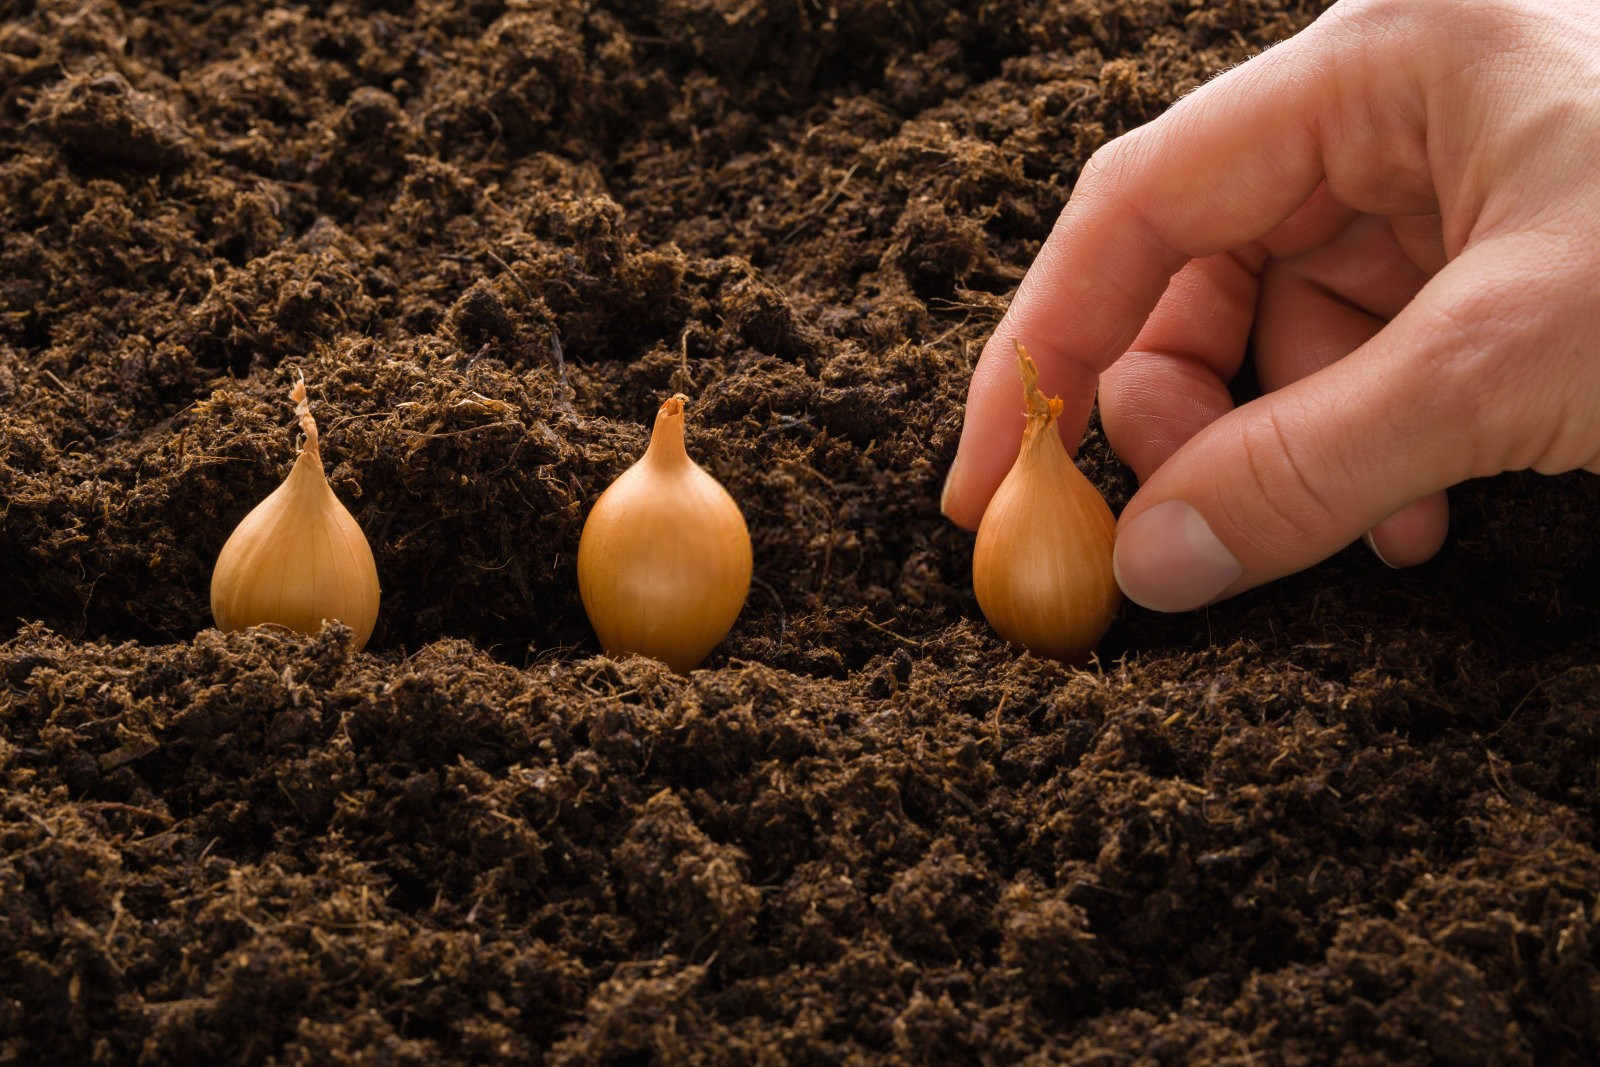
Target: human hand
(1399, 211)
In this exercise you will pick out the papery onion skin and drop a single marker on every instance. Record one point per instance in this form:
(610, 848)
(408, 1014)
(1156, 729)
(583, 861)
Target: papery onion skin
(664, 562)
(1041, 567)
(298, 558)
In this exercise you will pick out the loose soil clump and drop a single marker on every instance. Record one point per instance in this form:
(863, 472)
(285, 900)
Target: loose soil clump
(1352, 816)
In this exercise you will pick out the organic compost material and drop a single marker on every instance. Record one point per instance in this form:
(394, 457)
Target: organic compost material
(1352, 816)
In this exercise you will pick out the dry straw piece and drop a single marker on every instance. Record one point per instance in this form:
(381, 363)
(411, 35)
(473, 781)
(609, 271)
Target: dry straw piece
(298, 558)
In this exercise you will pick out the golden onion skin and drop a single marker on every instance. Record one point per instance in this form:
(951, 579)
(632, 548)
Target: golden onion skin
(664, 561)
(1041, 567)
(298, 558)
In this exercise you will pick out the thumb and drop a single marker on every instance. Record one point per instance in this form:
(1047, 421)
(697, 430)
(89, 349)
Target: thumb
(1291, 478)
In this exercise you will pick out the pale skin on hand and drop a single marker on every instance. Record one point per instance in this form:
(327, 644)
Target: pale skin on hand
(1396, 213)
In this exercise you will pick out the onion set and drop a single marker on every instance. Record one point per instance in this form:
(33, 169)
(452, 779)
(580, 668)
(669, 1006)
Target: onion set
(664, 560)
(1041, 567)
(299, 557)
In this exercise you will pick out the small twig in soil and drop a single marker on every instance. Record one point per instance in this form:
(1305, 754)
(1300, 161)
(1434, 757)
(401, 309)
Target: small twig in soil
(1494, 775)
(957, 795)
(783, 618)
(1538, 684)
(816, 212)
(166, 1007)
(126, 754)
(130, 809)
(683, 357)
(891, 633)
(117, 912)
(557, 357)
(994, 716)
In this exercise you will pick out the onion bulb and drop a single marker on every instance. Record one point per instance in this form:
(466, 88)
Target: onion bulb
(664, 560)
(299, 557)
(1041, 567)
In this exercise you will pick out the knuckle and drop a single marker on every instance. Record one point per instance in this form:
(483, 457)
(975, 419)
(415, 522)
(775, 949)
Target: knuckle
(1502, 363)
(1108, 168)
(1284, 473)
(1106, 182)
(1470, 364)
(1117, 176)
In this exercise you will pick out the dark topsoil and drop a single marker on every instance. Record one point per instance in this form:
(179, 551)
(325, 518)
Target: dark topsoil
(1352, 817)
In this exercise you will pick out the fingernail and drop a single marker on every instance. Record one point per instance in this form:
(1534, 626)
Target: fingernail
(949, 480)
(1167, 559)
(1373, 544)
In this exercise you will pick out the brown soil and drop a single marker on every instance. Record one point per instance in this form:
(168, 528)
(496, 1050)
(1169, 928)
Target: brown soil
(1350, 817)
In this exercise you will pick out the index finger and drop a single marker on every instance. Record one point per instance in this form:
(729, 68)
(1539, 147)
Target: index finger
(1221, 169)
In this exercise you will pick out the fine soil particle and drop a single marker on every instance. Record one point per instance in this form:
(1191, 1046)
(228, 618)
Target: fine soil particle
(1351, 817)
